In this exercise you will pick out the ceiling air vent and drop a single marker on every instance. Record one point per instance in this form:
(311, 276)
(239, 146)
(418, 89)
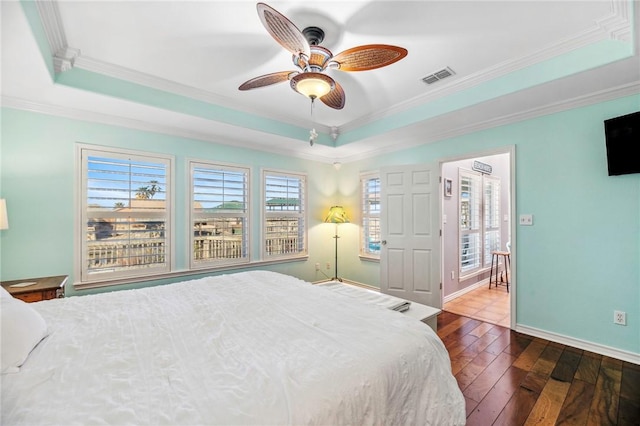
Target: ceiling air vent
(438, 75)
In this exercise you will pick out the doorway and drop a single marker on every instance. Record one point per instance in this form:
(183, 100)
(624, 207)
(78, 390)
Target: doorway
(478, 201)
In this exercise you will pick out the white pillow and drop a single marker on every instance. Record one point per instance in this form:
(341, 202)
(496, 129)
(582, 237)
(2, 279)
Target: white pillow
(22, 328)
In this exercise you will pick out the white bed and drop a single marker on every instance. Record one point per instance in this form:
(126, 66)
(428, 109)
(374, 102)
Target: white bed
(247, 348)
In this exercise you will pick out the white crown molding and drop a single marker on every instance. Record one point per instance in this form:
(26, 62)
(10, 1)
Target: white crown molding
(52, 24)
(64, 59)
(158, 83)
(578, 102)
(616, 25)
(580, 344)
(100, 118)
(399, 144)
(63, 55)
(554, 108)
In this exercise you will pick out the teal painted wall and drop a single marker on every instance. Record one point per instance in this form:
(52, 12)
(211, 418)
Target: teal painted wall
(38, 181)
(576, 265)
(581, 259)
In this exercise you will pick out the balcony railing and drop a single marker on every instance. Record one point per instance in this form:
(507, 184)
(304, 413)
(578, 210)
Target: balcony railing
(105, 254)
(205, 248)
(109, 254)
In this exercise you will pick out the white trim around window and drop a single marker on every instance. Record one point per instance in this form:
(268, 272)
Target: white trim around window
(125, 224)
(219, 233)
(480, 224)
(284, 214)
(370, 214)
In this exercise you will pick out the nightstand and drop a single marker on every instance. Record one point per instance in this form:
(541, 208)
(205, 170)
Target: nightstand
(424, 313)
(43, 288)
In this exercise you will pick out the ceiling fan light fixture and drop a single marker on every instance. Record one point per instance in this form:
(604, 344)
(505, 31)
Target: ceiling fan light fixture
(312, 59)
(312, 84)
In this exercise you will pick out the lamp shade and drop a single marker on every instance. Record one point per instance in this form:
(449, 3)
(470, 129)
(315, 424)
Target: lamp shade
(4, 220)
(312, 84)
(336, 215)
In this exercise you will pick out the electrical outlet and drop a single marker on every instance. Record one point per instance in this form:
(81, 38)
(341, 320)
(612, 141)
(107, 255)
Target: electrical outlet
(526, 219)
(328, 266)
(317, 267)
(620, 317)
(453, 275)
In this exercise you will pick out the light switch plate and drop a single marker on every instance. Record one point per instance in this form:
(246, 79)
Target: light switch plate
(526, 219)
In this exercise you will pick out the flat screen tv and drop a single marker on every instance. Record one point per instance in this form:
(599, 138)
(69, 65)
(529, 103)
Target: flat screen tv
(623, 143)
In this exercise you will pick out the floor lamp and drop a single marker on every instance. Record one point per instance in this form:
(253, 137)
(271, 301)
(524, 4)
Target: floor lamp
(336, 215)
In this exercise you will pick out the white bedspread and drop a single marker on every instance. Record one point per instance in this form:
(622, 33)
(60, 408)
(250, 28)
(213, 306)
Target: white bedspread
(248, 348)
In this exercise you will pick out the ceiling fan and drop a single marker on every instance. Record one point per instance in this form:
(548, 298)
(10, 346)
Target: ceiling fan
(312, 60)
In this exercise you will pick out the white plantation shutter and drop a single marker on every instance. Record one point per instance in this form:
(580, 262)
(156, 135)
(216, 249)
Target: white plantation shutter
(285, 226)
(370, 236)
(479, 220)
(125, 214)
(219, 214)
(491, 217)
(470, 220)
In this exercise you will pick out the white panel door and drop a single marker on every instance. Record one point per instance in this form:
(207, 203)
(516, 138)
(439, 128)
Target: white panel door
(410, 233)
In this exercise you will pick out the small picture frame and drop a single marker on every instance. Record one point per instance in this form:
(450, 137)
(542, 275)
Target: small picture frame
(448, 187)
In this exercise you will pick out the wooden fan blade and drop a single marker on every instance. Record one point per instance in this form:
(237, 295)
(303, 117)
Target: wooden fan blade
(267, 79)
(368, 57)
(335, 98)
(283, 30)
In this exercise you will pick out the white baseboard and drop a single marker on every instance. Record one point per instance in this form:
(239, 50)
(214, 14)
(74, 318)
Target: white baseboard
(465, 290)
(356, 283)
(580, 344)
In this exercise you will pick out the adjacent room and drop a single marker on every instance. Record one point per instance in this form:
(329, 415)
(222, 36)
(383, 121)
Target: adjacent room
(355, 212)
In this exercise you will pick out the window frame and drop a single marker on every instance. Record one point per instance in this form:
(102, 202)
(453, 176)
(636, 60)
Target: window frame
(484, 248)
(195, 264)
(301, 215)
(84, 279)
(367, 215)
(491, 211)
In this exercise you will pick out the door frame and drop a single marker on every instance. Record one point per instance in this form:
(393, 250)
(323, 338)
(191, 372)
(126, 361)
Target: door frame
(511, 151)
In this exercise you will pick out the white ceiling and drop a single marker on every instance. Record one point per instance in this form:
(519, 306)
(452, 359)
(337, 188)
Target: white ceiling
(204, 50)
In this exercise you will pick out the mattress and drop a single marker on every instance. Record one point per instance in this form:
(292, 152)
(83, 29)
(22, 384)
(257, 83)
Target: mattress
(248, 348)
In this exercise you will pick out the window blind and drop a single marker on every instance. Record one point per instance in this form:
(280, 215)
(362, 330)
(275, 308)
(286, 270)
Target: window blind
(470, 223)
(219, 214)
(125, 215)
(370, 240)
(284, 205)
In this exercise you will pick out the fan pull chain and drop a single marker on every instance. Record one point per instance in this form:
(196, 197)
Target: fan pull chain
(313, 135)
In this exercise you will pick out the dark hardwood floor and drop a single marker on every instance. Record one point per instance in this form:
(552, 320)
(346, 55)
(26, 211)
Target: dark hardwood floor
(512, 379)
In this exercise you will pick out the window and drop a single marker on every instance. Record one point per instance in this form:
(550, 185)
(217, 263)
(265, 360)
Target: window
(370, 234)
(479, 220)
(470, 224)
(126, 214)
(219, 214)
(285, 225)
(491, 217)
